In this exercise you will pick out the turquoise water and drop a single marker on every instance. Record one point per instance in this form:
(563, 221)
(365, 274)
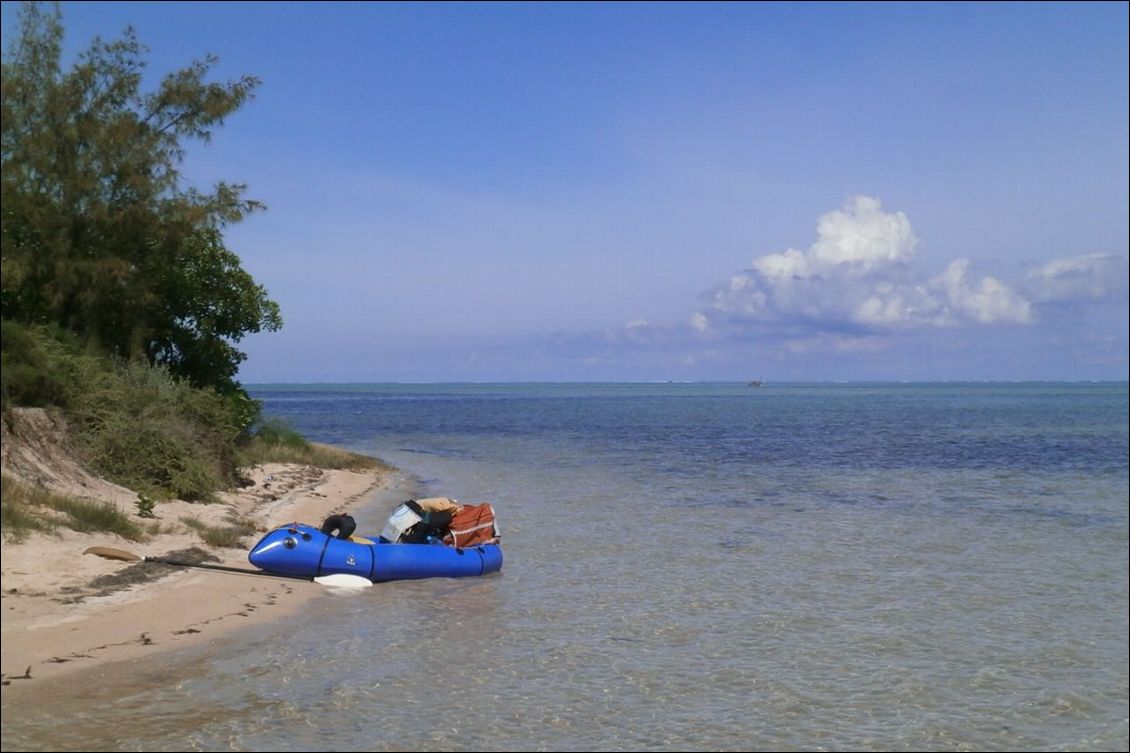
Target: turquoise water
(866, 567)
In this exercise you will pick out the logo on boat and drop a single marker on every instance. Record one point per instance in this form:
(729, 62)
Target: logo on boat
(351, 560)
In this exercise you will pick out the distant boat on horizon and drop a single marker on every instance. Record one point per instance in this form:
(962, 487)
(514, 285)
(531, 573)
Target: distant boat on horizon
(755, 383)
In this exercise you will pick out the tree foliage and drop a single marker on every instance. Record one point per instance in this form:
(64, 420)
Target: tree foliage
(99, 233)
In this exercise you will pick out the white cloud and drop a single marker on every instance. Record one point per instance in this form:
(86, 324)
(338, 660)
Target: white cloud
(850, 242)
(858, 274)
(987, 302)
(847, 296)
(1095, 277)
(863, 236)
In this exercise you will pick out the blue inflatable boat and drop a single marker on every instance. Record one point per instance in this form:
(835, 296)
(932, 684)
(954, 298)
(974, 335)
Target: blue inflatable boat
(304, 551)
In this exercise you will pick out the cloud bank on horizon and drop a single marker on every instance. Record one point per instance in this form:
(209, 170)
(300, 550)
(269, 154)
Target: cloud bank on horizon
(859, 286)
(1094, 278)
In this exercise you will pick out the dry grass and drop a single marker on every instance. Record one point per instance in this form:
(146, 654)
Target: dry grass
(275, 442)
(27, 509)
(230, 537)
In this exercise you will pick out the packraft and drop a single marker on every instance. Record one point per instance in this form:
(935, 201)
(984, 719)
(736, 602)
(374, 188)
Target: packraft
(425, 538)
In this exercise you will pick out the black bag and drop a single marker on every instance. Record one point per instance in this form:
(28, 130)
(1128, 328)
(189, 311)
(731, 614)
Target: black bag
(432, 524)
(344, 525)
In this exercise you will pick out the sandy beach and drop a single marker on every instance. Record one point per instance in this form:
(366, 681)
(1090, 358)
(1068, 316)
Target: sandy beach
(65, 612)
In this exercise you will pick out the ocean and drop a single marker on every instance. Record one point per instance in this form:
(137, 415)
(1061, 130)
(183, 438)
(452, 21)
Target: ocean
(702, 566)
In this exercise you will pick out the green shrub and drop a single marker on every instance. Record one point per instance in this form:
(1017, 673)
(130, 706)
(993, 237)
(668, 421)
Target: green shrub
(275, 432)
(34, 369)
(145, 429)
(136, 424)
(145, 505)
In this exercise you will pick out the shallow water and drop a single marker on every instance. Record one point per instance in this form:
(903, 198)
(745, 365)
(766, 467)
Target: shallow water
(856, 567)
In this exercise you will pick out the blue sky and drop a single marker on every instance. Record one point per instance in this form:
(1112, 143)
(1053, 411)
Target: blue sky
(513, 192)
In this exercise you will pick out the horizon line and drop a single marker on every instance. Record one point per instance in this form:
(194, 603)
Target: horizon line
(746, 382)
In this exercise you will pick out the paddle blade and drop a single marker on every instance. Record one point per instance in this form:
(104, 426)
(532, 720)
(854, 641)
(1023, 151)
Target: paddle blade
(110, 553)
(343, 580)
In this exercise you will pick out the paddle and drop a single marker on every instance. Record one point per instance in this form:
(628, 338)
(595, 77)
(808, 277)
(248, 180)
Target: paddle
(337, 580)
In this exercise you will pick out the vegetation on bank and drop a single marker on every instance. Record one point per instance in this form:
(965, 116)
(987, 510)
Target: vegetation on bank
(273, 441)
(141, 427)
(25, 509)
(135, 424)
(120, 305)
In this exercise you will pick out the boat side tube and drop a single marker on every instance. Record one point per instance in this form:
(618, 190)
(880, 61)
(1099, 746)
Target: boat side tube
(413, 561)
(304, 551)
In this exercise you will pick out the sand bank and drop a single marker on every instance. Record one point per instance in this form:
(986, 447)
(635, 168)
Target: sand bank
(64, 612)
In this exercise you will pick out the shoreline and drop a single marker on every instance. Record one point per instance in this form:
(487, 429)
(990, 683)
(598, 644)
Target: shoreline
(59, 625)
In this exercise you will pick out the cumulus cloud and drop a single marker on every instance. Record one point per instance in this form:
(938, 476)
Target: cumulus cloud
(859, 275)
(1093, 278)
(857, 290)
(987, 301)
(854, 241)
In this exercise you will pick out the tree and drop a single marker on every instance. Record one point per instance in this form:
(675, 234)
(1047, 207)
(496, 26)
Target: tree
(98, 232)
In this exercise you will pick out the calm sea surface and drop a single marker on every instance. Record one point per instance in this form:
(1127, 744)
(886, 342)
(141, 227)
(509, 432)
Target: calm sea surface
(840, 567)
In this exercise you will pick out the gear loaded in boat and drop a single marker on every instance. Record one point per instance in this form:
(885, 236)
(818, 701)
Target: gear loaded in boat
(466, 542)
(437, 520)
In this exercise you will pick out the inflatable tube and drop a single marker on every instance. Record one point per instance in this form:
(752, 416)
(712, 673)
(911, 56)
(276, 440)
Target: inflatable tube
(307, 552)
